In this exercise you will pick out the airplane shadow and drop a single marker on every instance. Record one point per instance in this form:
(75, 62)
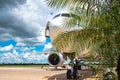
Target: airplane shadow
(58, 77)
(62, 76)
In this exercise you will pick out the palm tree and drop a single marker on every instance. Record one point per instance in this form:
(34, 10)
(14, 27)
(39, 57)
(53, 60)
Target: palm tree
(100, 20)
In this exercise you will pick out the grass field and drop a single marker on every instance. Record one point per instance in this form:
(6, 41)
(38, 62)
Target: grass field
(23, 65)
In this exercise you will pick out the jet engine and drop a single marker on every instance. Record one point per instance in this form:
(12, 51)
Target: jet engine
(55, 59)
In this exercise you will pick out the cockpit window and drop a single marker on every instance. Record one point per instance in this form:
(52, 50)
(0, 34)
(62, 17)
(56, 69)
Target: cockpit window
(56, 16)
(65, 15)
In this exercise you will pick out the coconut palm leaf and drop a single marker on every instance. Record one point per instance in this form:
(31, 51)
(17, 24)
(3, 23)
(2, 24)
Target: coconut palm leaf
(100, 28)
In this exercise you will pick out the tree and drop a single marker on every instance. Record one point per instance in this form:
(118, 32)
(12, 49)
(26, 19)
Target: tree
(100, 20)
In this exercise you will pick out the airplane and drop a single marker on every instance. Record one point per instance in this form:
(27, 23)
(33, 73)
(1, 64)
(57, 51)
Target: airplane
(53, 28)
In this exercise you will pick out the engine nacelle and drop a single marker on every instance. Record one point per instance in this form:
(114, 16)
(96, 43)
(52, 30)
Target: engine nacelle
(55, 59)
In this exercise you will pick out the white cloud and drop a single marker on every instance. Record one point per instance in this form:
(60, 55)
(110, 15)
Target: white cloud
(15, 52)
(27, 57)
(6, 48)
(48, 46)
(31, 16)
(35, 15)
(25, 48)
(26, 22)
(20, 44)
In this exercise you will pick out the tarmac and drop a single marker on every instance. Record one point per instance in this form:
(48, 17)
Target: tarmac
(39, 74)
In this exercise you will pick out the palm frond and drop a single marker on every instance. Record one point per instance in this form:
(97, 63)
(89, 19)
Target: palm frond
(77, 39)
(100, 22)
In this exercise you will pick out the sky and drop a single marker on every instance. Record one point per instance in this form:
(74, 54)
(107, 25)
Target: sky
(22, 25)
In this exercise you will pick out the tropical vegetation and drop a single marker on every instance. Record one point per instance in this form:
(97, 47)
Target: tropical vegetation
(99, 36)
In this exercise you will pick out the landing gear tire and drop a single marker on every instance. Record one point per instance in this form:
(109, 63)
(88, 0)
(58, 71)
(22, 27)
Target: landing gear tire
(69, 74)
(109, 76)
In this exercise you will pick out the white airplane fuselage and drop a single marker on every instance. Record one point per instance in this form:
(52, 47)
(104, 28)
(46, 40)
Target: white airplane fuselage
(55, 26)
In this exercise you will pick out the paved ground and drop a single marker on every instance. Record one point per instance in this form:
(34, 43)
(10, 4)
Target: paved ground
(36, 74)
(28, 73)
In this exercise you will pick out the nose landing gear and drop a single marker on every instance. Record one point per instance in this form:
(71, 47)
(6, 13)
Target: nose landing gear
(73, 74)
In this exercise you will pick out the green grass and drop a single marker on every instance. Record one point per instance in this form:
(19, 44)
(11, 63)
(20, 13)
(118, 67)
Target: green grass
(23, 65)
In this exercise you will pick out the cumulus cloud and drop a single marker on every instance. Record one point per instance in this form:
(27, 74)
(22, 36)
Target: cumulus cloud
(27, 57)
(48, 46)
(24, 21)
(25, 48)
(21, 54)
(10, 3)
(6, 48)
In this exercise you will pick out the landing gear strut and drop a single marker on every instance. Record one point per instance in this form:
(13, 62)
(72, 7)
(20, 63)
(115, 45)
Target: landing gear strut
(73, 74)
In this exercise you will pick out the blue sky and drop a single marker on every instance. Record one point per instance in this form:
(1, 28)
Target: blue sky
(22, 25)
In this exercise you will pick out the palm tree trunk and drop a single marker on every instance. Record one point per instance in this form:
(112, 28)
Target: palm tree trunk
(118, 68)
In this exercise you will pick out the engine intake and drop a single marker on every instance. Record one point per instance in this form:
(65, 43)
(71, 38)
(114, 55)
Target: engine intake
(55, 59)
